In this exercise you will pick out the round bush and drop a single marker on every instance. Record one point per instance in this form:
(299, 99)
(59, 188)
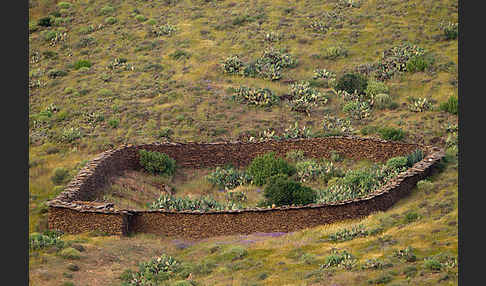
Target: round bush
(60, 176)
(70, 253)
(283, 191)
(157, 163)
(110, 20)
(390, 133)
(82, 63)
(45, 22)
(350, 82)
(382, 100)
(265, 166)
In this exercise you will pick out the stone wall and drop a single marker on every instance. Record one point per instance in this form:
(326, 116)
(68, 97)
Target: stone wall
(70, 213)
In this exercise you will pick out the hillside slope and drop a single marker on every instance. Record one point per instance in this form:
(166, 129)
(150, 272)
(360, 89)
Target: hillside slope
(103, 73)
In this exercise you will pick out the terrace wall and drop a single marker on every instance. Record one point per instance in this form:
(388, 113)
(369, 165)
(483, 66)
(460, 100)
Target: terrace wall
(69, 212)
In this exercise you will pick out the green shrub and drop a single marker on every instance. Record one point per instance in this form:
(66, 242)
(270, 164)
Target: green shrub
(105, 92)
(110, 20)
(418, 63)
(157, 163)
(140, 18)
(45, 22)
(433, 264)
(374, 88)
(451, 30)
(341, 259)
(33, 26)
(264, 166)
(357, 110)
(281, 191)
(47, 239)
(390, 133)
(70, 253)
(114, 122)
(411, 217)
(414, 157)
(152, 272)
(60, 176)
(352, 81)
(107, 10)
(395, 60)
(56, 73)
(64, 5)
(397, 163)
(451, 106)
(82, 63)
(425, 185)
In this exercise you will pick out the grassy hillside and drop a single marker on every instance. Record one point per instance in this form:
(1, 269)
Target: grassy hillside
(103, 73)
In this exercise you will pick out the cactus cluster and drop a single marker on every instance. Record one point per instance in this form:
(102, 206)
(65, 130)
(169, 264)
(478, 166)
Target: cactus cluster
(164, 30)
(120, 64)
(304, 97)
(255, 96)
(395, 60)
(228, 178)
(332, 124)
(169, 202)
(419, 105)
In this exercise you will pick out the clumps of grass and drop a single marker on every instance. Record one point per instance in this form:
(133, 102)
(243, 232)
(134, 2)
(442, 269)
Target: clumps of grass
(411, 217)
(228, 178)
(82, 63)
(110, 20)
(334, 52)
(450, 30)
(332, 125)
(405, 254)
(180, 54)
(339, 259)
(152, 272)
(451, 105)
(70, 253)
(382, 279)
(107, 9)
(38, 241)
(69, 135)
(268, 66)
(384, 101)
(281, 191)
(425, 185)
(114, 122)
(156, 162)
(375, 263)
(60, 176)
(120, 64)
(255, 96)
(206, 203)
(56, 73)
(304, 97)
(349, 234)
(398, 163)
(418, 63)
(64, 5)
(265, 166)
(414, 157)
(391, 133)
(164, 30)
(440, 262)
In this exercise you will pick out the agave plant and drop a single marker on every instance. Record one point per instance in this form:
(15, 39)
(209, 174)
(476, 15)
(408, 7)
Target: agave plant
(294, 132)
(420, 105)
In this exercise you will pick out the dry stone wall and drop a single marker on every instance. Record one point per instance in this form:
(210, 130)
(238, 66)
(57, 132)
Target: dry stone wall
(70, 212)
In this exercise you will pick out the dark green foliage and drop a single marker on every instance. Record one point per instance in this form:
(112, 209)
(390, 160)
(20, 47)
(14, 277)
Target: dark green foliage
(157, 163)
(414, 157)
(390, 133)
(82, 63)
(56, 73)
(411, 217)
(397, 163)
(263, 167)
(60, 176)
(352, 81)
(283, 191)
(433, 264)
(45, 22)
(451, 106)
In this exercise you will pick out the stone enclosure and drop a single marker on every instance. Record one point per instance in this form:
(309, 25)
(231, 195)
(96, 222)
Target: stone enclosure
(73, 210)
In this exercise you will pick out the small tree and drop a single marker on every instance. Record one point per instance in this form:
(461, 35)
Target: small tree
(283, 191)
(265, 166)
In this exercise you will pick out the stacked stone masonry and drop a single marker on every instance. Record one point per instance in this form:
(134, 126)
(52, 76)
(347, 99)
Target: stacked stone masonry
(72, 212)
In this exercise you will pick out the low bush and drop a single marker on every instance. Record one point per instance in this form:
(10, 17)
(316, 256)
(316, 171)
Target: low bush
(264, 166)
(450, 30)
(390, 133)
(341, 259)
(228, 178)
(64, 5)
(374, 88)
(334, 52)
(107, 9)
(45, 22)
(82, 63)
(60, 176)
(425, 185)
(349, 234)
(110, 20)
(180, 54)
(39, 241)
(70, 253)
(350, 82)
(255, 96)
(418, 63)
(451, 105)
(432, 264)
(56, 73)
(382, 101)
(152, 272)
(405, 254)
(114, 122)
(397, 163)
(281, 191)
(157, 163)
